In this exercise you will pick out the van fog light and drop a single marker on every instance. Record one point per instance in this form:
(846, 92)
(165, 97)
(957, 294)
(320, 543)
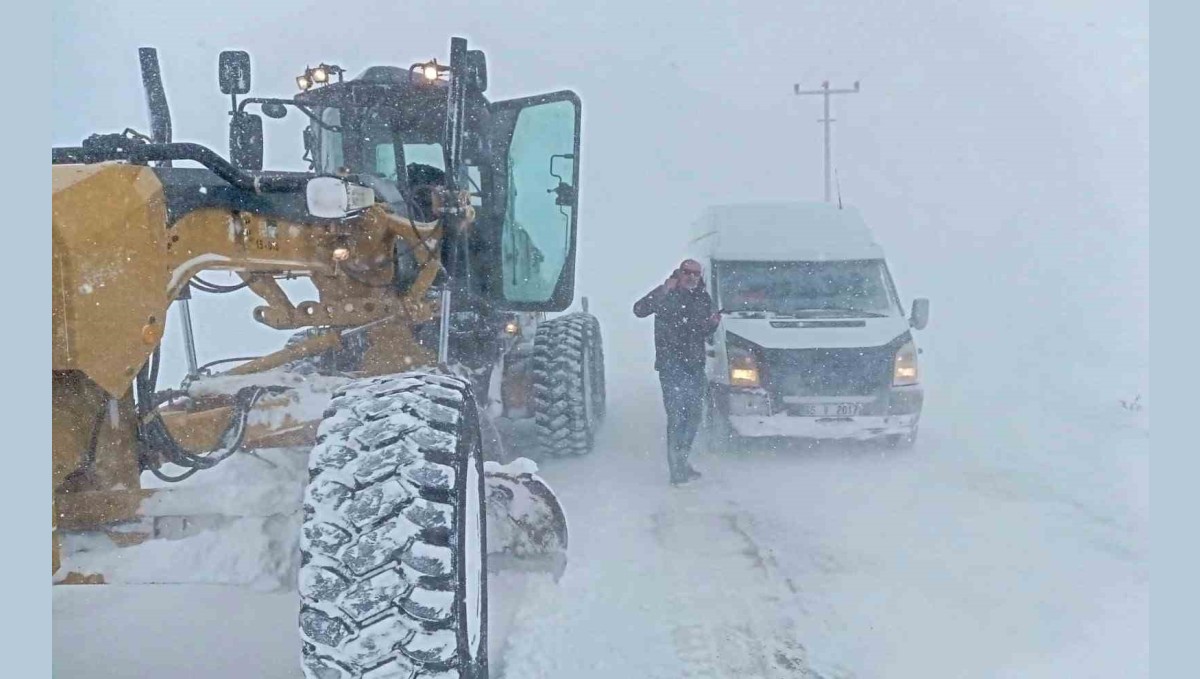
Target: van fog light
(744, 377)
(743, 366)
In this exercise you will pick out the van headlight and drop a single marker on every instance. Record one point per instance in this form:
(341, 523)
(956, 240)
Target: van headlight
(904, 367)
(743, 367)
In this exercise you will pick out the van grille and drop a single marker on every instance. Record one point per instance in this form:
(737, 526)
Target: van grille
(829, 372)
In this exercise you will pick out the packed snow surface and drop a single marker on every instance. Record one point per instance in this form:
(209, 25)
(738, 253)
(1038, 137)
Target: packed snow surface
(1007, 543)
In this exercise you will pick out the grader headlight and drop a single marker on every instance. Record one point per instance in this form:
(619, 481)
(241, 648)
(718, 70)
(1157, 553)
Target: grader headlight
(430, 71)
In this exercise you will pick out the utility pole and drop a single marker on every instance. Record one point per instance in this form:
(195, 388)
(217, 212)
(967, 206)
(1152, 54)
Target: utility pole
(825, 92)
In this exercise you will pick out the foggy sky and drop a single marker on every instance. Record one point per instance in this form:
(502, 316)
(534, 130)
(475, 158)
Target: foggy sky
(1001, 153)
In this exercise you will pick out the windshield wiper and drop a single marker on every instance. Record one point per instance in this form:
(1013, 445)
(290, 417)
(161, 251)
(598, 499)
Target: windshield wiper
(843, 310)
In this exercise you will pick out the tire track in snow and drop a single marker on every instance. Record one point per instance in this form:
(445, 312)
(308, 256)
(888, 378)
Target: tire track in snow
(662, 582)
(732, 607)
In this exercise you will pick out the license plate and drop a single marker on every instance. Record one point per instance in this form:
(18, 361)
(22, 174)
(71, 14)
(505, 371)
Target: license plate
(828, 409)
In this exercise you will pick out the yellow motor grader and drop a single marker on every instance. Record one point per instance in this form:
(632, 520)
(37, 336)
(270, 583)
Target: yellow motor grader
(437, 228)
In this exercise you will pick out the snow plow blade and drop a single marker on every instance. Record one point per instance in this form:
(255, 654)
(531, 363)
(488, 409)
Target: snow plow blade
(526, 526)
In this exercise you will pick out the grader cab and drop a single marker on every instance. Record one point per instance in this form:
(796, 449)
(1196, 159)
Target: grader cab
(438, 229)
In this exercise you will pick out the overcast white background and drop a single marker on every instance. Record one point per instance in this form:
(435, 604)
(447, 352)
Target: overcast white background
(1000, 151)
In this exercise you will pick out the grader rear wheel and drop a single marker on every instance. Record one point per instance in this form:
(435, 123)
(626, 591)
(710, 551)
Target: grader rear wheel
(569, 397)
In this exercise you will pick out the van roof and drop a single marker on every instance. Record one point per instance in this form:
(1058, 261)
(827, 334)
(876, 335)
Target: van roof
(782, 231)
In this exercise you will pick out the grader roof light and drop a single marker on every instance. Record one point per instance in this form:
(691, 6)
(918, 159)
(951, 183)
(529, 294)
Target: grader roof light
(319, 75)
(430, 71)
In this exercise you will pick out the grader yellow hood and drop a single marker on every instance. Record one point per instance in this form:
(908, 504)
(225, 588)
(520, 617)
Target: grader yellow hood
(111, 275)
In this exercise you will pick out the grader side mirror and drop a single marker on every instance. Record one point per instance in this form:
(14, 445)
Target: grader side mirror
(274, 109)
(246, 141)
(477, 69)
(233, 70)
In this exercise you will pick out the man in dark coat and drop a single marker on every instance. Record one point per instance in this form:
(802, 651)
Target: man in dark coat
(684, 318)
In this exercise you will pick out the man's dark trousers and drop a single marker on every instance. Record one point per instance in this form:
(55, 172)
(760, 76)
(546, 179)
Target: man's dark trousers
(683, 396)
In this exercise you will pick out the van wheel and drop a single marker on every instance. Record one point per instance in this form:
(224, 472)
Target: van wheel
(902, 441)
(719, 436)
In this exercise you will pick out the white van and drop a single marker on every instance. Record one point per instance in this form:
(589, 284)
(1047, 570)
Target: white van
(813, 342)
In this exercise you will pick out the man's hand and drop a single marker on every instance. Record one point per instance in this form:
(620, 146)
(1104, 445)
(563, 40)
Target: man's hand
(715, 319)
(671, 283)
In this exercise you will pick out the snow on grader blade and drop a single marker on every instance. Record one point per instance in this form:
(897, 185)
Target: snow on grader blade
(355, 454)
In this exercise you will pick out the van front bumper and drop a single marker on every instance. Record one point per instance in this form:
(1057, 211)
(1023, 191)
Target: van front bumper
(895, 411)
(856, 428)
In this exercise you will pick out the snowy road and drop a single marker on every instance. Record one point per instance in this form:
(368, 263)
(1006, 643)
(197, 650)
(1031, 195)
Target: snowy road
(958, 558)
(954, 559)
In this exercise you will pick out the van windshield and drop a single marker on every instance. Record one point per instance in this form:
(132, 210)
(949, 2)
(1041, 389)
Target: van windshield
(860, 287)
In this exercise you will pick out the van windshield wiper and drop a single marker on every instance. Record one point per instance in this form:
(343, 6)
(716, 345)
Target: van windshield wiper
(837, 310)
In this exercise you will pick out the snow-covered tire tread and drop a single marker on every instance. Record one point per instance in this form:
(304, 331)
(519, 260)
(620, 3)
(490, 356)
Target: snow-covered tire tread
(558, 385)
(381, 580)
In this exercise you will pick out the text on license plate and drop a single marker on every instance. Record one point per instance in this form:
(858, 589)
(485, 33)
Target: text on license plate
(827, 409)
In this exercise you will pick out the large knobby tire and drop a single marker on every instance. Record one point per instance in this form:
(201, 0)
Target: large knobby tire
(393, 581)
(568, 384)
(599, 389)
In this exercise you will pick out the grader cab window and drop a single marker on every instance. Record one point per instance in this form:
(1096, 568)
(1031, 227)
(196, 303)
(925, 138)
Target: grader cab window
(538, 226)
(383, 150)
(384, 157)
(330, 156)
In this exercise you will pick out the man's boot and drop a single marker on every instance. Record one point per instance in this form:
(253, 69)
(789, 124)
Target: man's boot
(679, 474)
(686, 470)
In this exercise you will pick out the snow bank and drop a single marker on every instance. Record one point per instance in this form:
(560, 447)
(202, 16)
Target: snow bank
(237, 523)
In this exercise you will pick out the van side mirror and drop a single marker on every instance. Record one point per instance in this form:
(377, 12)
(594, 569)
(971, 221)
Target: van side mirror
(246, 141)
(920, 313)
(233, 72)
